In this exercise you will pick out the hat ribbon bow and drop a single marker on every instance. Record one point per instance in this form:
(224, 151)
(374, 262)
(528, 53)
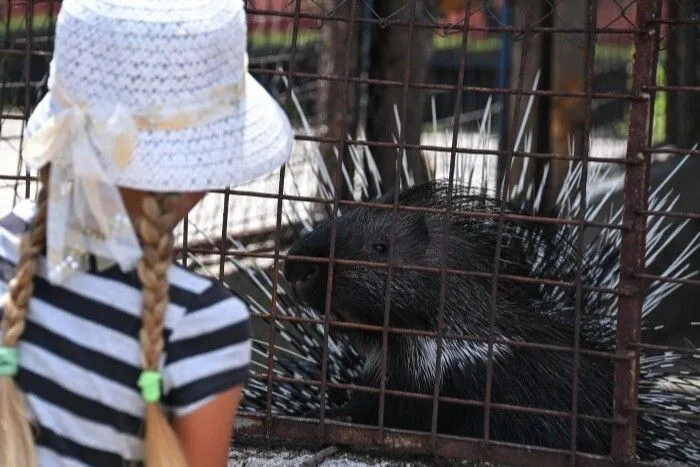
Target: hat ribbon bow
(86, 213)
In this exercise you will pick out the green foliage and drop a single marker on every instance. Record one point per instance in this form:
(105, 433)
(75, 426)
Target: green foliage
(660, 105)
(454, 41)
(17, 24)
(659, 123)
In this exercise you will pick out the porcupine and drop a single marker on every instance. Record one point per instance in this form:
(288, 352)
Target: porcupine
(525, 312)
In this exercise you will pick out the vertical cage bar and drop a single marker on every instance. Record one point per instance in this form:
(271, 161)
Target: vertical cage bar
(278, 232)
(591, 24)
(511, 145)
(505, 19)
(446, 222)
(185, 233)
(632, 250)
(334, 216)
(5, 88)
(401, 147)
(224, 235)
(28, 50)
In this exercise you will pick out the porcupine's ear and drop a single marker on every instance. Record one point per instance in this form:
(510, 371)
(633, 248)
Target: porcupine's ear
(386, 198)
(421, 226)
(415, 194)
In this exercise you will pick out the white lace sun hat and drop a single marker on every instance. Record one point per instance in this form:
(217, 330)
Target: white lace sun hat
(180, 69)
(148, 95)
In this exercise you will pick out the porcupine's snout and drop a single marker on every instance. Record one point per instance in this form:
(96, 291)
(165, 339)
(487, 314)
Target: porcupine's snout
(307, 277)
(302, 276)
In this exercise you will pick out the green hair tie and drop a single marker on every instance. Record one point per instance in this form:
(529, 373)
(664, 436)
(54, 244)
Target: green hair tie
(149, 382)
(8, 361)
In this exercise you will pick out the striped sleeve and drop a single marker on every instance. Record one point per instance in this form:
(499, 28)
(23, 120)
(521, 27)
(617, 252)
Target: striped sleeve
(208, 351)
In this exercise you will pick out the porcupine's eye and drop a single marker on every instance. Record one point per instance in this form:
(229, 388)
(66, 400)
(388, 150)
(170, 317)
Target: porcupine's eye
(380, 248)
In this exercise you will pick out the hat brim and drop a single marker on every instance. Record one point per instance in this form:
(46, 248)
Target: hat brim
(254, 141)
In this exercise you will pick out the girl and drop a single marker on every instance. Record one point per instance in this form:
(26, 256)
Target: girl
(149, 107)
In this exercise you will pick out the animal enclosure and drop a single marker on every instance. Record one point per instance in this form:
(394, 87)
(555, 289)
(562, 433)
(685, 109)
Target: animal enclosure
(538, 161)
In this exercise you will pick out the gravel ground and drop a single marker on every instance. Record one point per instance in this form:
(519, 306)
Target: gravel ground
(329, 457)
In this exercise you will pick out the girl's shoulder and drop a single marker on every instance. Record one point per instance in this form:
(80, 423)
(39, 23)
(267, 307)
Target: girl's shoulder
(13, 224)
(18, 219)
(209, 348)
(202, 295)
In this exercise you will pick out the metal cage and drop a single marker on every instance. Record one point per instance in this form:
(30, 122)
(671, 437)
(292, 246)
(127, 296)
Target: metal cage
(481, 57)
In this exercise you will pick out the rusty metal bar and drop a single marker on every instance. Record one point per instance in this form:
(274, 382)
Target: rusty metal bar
(185, 233)
(691, 152)
(393, 234)
(495, 152)
(22, 53)
(514, 278)
(591, 23)
(28, 30)
(675, 21)
(409, 267)
(437, 24)
(403, 442)
(13, 117)
(676, 214)
(453, 87)
(653, 277)
(278, 230)
(465, 337)
(457, 111)
(666, 348)
(426, 210)
(679, 416)
(501, 220)
(3, 79)
(632, 251)
(334, 224)
(452, 400)
(676, 88)
(224, 229)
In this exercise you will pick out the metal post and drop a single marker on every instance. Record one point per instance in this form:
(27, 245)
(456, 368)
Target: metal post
(632, 251)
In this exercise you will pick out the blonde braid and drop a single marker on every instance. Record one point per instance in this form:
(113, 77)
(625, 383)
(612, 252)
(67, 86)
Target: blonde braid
(162, 448)
(16, 439)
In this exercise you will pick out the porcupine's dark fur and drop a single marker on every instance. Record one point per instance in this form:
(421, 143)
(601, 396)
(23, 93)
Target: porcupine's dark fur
(524, 312)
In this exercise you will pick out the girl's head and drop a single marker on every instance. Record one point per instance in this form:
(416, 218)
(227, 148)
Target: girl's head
(150, 106)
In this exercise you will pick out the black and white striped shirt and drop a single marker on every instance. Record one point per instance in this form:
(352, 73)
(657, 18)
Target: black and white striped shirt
(79, 356)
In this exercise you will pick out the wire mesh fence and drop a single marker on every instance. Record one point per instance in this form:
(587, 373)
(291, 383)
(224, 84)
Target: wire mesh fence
(526, 289)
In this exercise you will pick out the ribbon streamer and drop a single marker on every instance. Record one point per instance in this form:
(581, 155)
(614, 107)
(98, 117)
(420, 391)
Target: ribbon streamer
(86, 213)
